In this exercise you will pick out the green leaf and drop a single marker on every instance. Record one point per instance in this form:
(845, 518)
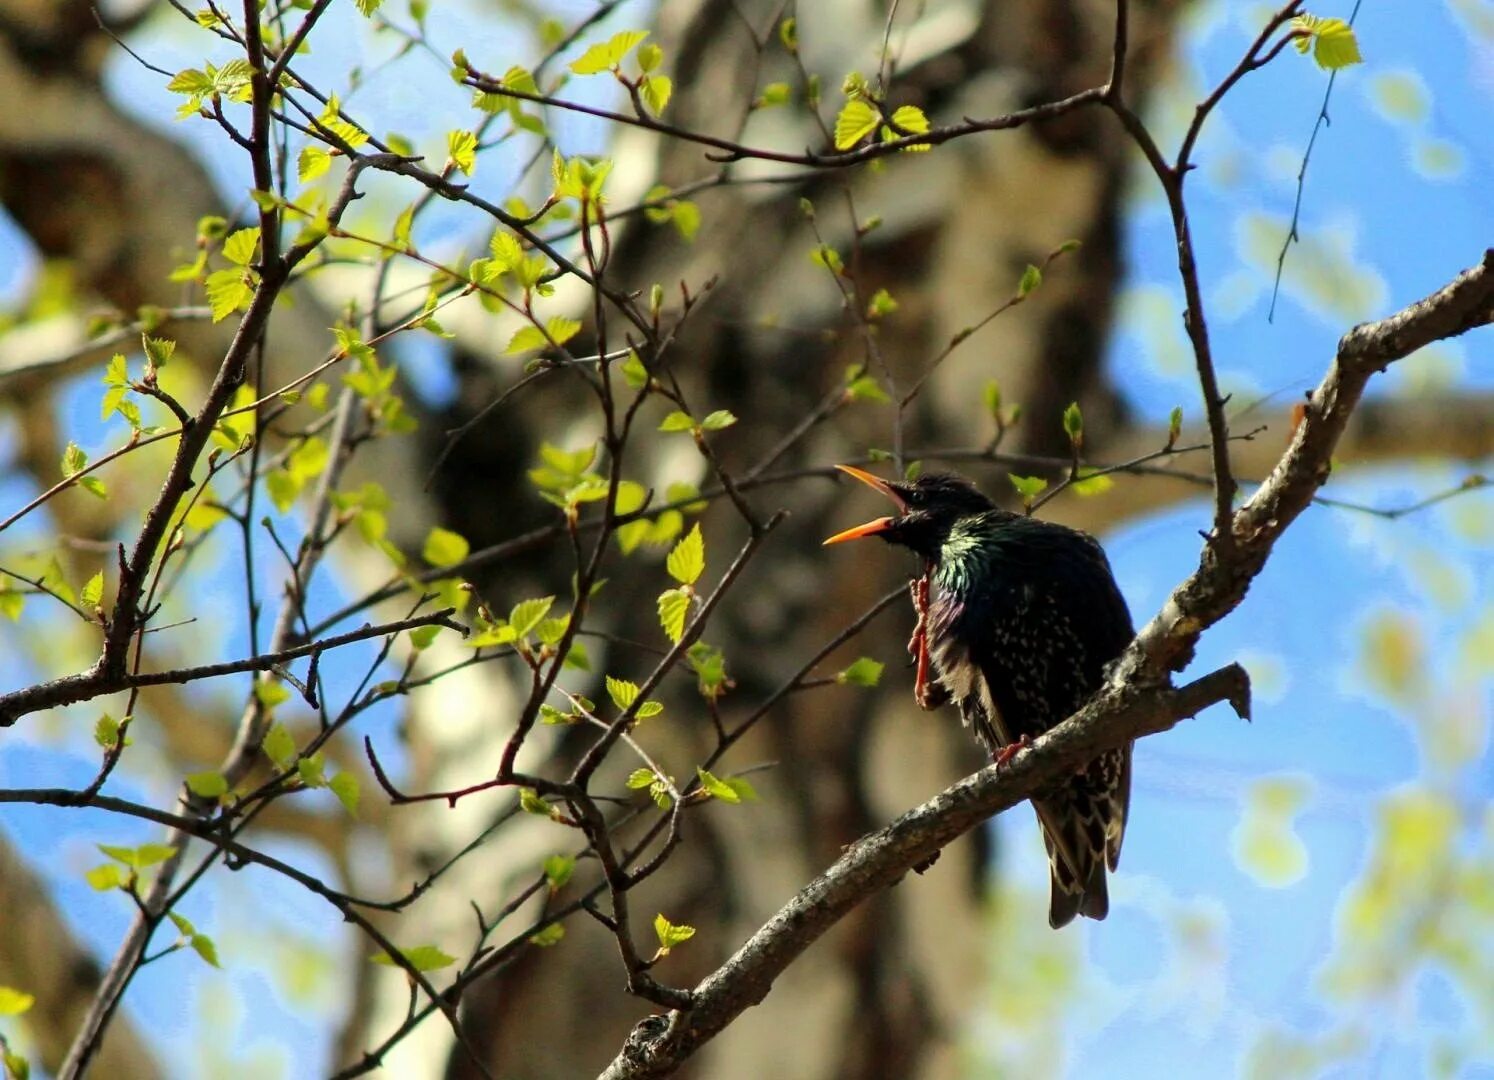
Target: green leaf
(1332, 41)
(309, 769)
(444, 548)
(856, 121)
(640, 778)
(1028, 487)
(649, 57)
(622, 692)
(991, 394)
(527, 614)
(312, 162)
(677, 421)
(74, 460)
(1091, 484)
(674, 609)
(461, 148)
(531, 803)
(648, 709)
(671, 934)
(271, 693)
(634, 373)
(778, 93)
(93, 591)
(207, 785)
(280, 747)
(558, 871)
(745, 791)
(1032, 277)
(716, 788)
(687, 561)
(182, 923)
(227, 291)
(1174, 426)
(715, 421)
(607, 54)
(709, 665)
(911, 119)
(239, 248)
(14, 1002)
(550, 935)
(864, 672)
(863, 387)
(422, 636)
(826, 256)
(106, 732)
(422, 958)
(881, 304)
(656, 92)
(1073, 425)
(104, 877)
(345, 786)
(203, 946)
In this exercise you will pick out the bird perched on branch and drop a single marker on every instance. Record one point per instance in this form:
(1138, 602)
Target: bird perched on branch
(1017, 620)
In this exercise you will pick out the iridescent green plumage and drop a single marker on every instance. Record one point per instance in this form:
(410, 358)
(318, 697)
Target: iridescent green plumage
(1024, 615)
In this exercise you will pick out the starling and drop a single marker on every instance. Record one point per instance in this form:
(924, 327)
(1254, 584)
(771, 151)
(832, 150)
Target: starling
(1018, 619)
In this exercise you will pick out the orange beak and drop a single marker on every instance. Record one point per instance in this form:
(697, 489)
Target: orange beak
(871, 528)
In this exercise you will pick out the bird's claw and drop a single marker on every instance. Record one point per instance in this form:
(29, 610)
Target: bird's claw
(1011, 750)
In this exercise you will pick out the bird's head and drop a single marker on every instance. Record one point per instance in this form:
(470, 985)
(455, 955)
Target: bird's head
(927, 508)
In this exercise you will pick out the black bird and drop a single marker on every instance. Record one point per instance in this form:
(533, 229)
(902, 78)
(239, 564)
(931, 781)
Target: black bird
(1023, 619)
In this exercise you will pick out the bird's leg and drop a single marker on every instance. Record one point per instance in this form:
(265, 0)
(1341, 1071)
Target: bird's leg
(1010, 750)
(928, 694)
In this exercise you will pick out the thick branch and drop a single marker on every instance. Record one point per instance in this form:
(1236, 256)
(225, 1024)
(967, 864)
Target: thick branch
(881, 859)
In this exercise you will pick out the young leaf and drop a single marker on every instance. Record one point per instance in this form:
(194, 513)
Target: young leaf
(280, 747)
(203, 946)
(856, 121)
(461, 148)
(1032, 277)
(527, 614)
(14, 1002)
(104, 877)
(864, 672)
(550, 935)
(671, 934)
(422, 958)
(622, 692)
(1174, 426)
(345, 786)
(207, 785)
(558, 871)
(1029, 487)
(912, 121)
(721, 418)
(674, 609)
(640, 778)
(444, 547)
(687, 561)
(677, 421)
(1332, 41)
(717, 788)
(93, 591)
(1073, 425)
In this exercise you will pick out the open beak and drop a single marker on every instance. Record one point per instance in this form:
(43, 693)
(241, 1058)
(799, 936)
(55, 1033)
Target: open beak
(871, 528)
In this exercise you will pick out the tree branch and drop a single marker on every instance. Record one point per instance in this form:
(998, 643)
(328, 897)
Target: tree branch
(880, 860)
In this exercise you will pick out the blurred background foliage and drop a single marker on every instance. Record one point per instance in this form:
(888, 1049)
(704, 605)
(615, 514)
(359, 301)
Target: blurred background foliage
(1312, 895)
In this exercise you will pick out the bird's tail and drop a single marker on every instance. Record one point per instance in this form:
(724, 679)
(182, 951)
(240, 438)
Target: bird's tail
(1076, 868)
(1083, 822)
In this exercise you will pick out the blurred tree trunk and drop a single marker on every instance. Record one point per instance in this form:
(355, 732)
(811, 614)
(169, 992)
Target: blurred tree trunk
(888, 993)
